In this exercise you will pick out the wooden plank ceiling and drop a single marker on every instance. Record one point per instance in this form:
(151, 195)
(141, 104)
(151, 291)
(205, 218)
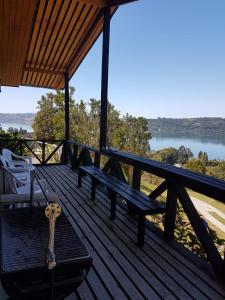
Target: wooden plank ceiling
(42, 39)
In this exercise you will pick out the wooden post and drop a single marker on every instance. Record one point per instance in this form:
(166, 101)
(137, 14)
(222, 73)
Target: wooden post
(67, 117)
(171, 209)
(104, 81)
(136, 180)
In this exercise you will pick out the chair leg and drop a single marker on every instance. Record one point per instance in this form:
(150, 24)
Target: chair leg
(141, 230)
(93, 188)
(112, 197)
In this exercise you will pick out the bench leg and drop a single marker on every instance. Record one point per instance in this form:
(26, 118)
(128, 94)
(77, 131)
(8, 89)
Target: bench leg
(141, 230)
(93, 188)
(80, 174)
(112, 197)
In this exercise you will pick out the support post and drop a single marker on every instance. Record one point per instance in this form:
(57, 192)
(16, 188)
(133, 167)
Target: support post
(67, 117)
(104, 81)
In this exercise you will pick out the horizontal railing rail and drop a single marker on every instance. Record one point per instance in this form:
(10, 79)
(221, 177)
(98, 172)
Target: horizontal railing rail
(176, 181)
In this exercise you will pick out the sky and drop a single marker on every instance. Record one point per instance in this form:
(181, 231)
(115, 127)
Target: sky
(167, 59)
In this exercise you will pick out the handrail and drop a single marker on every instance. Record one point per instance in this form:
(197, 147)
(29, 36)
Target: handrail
(203, 184)
(84, 146)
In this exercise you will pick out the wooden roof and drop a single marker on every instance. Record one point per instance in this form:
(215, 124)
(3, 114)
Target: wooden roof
(42, 39)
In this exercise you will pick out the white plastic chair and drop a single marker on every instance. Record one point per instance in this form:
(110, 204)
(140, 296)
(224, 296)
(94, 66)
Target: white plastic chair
(20, 173)
(18, 186)
(14, 161)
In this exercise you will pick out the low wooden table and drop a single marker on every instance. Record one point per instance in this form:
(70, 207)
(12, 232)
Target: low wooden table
(24, 241)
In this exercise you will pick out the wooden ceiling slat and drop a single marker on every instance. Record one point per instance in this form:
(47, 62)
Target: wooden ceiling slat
(61, 35)
(33, 78)
(55, 32)
(8, 14)
(10, 53)
(48, 34)
(63, 62)
(59, 83)
(23, 43)
(76, 62)
(69, 34)
(38, 21)
(41, 35)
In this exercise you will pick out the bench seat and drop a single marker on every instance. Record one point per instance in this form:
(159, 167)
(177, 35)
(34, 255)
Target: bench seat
(138, 201)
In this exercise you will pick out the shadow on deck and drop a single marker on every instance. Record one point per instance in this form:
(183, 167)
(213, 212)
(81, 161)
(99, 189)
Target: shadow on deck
(120, 269)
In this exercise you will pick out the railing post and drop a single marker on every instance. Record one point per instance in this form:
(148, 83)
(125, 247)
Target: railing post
(171, 210)
(43, 152)
(97, 159)
(136, 180)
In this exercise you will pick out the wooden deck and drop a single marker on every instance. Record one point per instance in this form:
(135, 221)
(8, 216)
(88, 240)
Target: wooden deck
(120, 269)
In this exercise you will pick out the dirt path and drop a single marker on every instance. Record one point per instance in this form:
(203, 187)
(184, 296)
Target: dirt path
(205, 210)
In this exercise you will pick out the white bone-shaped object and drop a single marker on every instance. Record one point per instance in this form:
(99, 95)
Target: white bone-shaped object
(52, 212)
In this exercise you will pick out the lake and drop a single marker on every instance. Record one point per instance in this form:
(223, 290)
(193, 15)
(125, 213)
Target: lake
(214, 146)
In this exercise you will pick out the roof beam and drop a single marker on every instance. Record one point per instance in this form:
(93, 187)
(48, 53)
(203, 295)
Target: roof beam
(43, 71)
(110, 3)
(107, 3)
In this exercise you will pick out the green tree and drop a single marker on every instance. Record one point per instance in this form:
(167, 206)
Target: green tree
(184, 154)
(168, 155)
(196, 165)
(49, 120)
(7, 141)
(203, 156)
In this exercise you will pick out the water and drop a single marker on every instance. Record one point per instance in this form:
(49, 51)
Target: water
(214, 146)
(5, 126)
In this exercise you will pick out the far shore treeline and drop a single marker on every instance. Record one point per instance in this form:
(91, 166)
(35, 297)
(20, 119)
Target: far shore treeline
(157, 127)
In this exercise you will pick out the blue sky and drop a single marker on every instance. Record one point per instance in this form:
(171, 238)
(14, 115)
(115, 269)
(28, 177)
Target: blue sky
(167, 59)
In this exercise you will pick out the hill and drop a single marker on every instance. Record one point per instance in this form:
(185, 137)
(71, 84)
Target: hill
(17, 118)
(187, 126)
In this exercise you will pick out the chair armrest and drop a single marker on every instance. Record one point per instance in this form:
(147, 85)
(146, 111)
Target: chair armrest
(23, 158)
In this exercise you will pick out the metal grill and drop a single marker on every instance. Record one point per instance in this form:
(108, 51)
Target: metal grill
(24, 240)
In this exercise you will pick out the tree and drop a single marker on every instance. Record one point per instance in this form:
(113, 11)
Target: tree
(168, 155)
(184, 154)
(196, 165)
(9, 140)
(203, 156)
(49, 120)
(132, 135)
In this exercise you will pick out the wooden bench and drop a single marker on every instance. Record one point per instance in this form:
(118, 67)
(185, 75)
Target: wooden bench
(140, 203)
